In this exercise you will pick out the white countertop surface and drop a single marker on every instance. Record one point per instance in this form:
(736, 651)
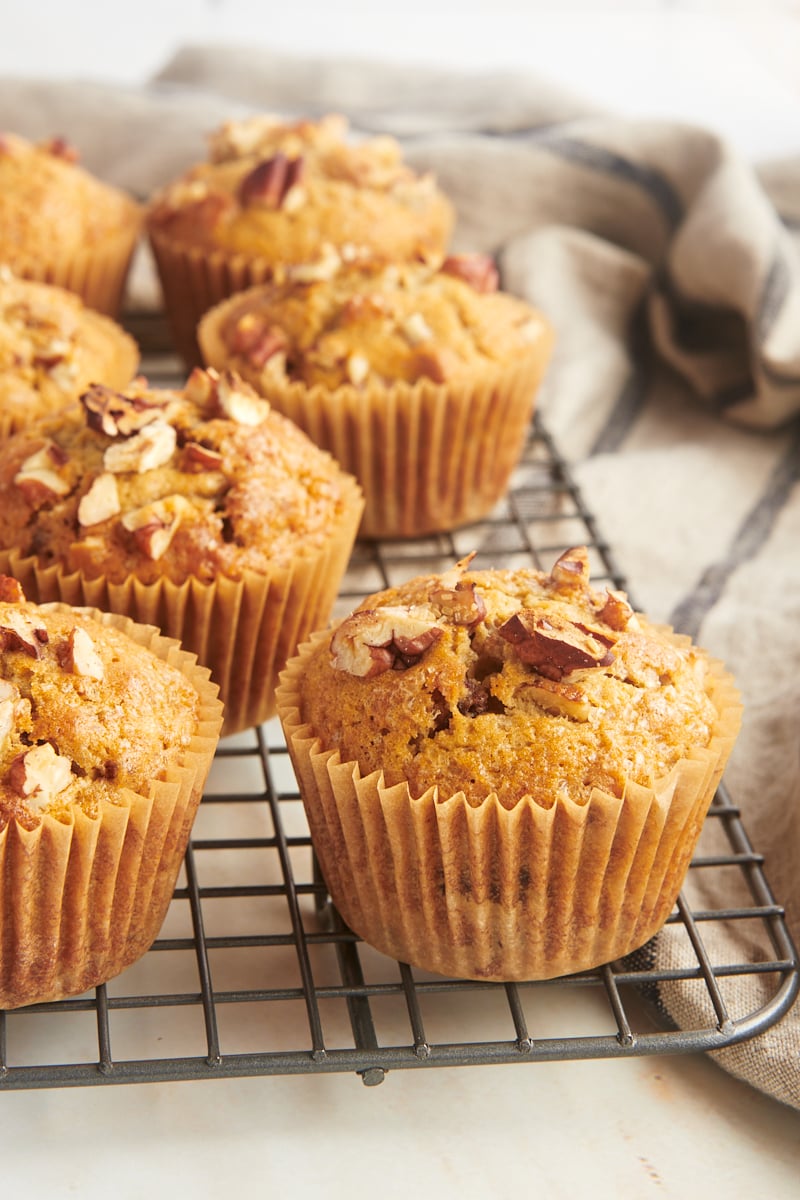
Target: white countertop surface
(668, 1127)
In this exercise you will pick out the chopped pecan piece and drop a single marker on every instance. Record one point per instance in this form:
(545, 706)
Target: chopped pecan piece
(59, 147)
(40, 774)
(357, 368)
(100, 502)
(200, 458)
(416, 329)
(560, 697)
(616, 611)
(478, 270)
(39, 476)
(461, 604)
(553, 645)
(201, 386)
(152, 447)
(239, 402)
(372, 641)
(11, 590)
(154, 525)
(270, 180)
(322, 268)
(255, 339)
(80, 655)
(572, 568)
(117, 415)
(18, 631)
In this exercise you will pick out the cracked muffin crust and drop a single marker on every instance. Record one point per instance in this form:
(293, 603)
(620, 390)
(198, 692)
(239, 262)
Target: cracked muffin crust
(505, 772)
(52, 347)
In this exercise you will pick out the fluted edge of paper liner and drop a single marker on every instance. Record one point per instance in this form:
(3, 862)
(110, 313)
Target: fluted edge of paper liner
(242, 630)
(83, 900)
(488, 892)
(194, 279)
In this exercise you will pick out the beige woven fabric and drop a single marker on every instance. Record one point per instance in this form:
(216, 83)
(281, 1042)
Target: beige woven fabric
(671, 270)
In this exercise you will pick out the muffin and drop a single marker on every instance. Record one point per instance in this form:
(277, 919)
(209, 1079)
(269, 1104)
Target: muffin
(275, 194)
(59, 224)
(198, 510)
(108, 732)
(52, 347)
(505, 772)
(420, 380)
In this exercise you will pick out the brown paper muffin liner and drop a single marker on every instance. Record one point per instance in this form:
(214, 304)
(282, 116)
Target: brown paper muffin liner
(98, 273)
(81, 901)
(194, 280)
(488, 892)
(242, 630)
(429, 456)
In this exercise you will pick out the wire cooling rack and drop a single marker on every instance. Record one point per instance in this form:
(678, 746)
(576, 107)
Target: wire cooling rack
(254, 972)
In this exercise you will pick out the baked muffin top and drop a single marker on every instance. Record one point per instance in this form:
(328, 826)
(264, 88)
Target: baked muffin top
(373, 323)
(288, 191)
(85, 712)
(199, 482)
(50, 205)
(514, 682)
(52, 347)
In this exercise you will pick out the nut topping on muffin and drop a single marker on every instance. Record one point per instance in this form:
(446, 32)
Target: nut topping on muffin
(478, 270)
(81, 657)
(270, 182)
(18, 632)
(39, 476)
(553, 645)
(119, 415)
(39, 774)
(384, 639)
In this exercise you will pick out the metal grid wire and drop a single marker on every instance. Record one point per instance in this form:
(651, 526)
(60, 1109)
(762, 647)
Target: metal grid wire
(254, 972)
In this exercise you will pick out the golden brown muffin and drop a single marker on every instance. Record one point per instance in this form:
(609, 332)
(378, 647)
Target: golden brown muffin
(275, 194)
(420, 380)
(198, 510)
(505, 772)
(52, 347)
(107, 733)
(61, 225)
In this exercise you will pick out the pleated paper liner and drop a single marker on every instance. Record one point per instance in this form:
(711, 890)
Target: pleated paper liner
(81, 901)
(97, 272)
(496, 893)
(194, 280)
(242, 630)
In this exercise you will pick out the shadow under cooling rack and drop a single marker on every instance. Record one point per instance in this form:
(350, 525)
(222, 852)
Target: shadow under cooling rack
(254, 973)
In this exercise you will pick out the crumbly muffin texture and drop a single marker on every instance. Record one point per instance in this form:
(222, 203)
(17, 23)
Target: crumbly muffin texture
(50, 205)
(288, 191)
(85, 712)
(201, 482)
(514, 682)
(373, 323)
(52, 347)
